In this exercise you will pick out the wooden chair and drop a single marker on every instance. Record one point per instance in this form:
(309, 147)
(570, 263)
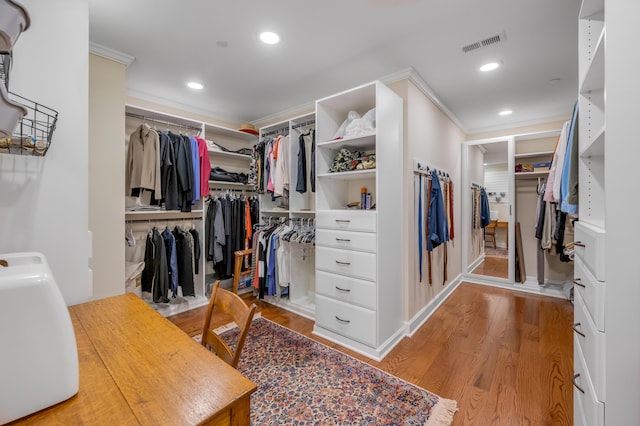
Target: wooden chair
(232, 305)
(490, 232)
(237, 267)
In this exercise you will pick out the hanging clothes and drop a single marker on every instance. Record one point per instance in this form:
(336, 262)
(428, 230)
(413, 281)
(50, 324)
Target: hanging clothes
(172, 257)
(184, 171)
(168, 172)
(155, 276)
(205, 166)
(301, 181)
(143, 162)
(185, 262)
(485, 210)
(569, 182)
(195, 164)
(437, 230)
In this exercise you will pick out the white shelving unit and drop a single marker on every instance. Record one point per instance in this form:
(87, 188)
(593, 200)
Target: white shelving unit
(298, 206)
(589, 394)
(141, 220)
(359, 252)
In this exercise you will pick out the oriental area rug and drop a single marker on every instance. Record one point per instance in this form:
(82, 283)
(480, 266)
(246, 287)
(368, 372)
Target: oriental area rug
(303, 382)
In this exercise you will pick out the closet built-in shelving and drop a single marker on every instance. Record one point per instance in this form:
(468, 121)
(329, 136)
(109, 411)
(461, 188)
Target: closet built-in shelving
(143, 219)
(298, 208)
(359, 252)
(590, 287)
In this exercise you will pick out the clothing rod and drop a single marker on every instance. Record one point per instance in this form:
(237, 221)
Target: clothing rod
(276, 131)
(169, 123)
(306, 123)
(175, 219)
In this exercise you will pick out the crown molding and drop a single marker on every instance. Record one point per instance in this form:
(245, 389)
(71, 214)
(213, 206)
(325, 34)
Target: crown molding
(412, 75)
(107, 52)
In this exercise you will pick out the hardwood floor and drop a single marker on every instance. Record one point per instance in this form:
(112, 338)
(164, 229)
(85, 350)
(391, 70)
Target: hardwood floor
(505, 356)
(493, 266)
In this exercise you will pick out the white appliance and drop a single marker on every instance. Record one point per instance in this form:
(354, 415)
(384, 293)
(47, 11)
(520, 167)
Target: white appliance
(38, 352)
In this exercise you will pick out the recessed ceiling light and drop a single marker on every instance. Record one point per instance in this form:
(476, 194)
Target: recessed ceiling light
(489, 67)
(194, 85)
(505, 112)
(269, 37)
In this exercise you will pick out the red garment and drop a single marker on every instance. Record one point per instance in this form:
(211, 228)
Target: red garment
(205, 166)
(451, 209)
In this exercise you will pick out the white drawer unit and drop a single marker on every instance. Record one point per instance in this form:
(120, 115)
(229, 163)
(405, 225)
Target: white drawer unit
(592, 292)
(589, 246)
(586, 407)
(591, 343)
(349, 290)
(346, 319)
(347, 220)
(346, 240)
(345, 262)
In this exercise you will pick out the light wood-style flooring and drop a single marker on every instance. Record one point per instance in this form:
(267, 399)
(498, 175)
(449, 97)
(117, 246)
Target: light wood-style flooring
(493, 266)
(505, 356)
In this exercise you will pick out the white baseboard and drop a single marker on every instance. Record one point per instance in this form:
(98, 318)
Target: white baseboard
(425, 313)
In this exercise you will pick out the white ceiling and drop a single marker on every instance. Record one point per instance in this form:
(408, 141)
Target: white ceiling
(333, 45)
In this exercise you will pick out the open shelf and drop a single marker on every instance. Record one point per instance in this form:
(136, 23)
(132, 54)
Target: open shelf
(355, 174)
(529, 175)
(592, 9)
(224, 154)
(533, 154)
(162, 214)
(365, 142)
(594, 76)
(596, 147)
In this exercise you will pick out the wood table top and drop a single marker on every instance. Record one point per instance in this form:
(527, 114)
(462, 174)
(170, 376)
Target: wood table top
(136, 367)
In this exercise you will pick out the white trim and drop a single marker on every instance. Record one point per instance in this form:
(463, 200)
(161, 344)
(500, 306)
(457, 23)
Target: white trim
(412, 75)
(296, 112)
(107, 52)
(506, 127)
(530, 286)
(376, 354)
(425, 313)
(136, 95)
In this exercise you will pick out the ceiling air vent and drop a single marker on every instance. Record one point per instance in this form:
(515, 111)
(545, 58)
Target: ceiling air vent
(485, 42)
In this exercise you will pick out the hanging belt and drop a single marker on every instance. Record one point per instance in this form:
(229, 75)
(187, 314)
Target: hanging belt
(420, 234)
(427, 229)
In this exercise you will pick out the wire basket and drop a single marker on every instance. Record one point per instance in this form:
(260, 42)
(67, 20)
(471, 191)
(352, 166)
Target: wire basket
(32, 135)
(5, 66)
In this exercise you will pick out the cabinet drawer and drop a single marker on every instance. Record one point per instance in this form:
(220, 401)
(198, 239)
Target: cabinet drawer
(346, 289)
(345, 262)
(348, 320)
(589, 246)
(587, 408)
(346, 240)
(346, 220)
(591, 343)
(592, 292)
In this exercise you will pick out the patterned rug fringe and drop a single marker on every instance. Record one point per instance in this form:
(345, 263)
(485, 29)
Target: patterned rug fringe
(442, 414)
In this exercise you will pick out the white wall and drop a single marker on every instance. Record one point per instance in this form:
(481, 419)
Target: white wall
(107, 94)
(43, 201)
(431, 137)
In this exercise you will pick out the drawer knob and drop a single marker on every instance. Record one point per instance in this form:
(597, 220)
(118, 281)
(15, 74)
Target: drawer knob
(343, 221)
(578, 283)
(575, 376)
(343, 263)
(578, 331)
(343, 240)
(346, 290)
(579, 244)
(342, 320)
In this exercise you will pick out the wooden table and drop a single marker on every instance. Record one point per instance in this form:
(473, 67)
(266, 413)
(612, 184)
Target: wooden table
(136, 367)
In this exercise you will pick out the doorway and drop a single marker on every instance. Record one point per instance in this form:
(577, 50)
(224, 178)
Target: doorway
(486, 173)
